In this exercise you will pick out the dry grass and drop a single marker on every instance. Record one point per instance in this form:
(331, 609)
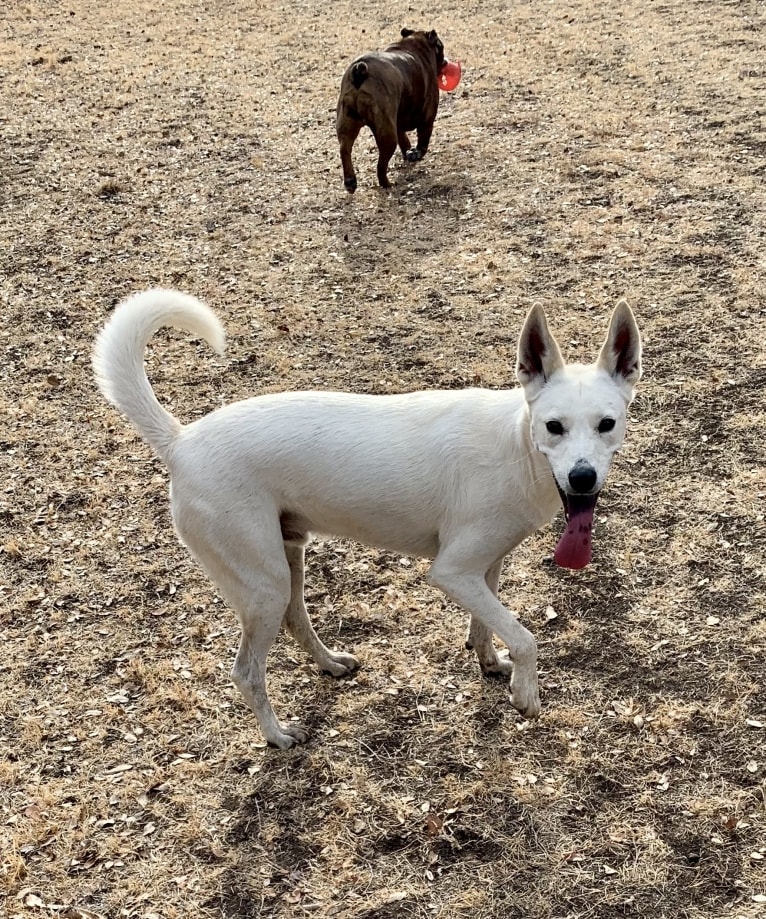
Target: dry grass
(595, 150)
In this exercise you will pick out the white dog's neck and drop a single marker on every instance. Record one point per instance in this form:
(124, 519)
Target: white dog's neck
(542, 485)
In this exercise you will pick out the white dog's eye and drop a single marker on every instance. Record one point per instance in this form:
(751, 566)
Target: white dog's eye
(605, 425)
(555, 427)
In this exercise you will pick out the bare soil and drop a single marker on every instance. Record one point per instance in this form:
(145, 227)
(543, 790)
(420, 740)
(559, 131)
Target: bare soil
(593, 150)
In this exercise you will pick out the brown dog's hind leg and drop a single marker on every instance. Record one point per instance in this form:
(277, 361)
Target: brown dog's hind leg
(404, 143)
(348, 131)
(386, 139)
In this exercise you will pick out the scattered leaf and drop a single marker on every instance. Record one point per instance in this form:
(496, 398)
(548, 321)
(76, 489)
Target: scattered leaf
(434, 825)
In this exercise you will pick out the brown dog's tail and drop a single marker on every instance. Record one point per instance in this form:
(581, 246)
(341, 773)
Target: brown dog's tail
(359, 73)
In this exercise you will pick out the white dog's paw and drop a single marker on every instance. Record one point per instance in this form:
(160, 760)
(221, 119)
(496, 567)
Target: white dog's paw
(338, 664)
(500, 665)
(525, 697)
(288, 736)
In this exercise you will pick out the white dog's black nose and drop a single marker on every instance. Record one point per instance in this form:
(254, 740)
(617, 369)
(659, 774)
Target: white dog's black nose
(582, 478)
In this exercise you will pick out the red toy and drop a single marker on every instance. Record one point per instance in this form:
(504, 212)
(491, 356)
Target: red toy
(449, 75)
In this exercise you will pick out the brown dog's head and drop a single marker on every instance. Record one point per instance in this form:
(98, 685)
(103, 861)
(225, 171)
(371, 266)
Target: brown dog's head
(432, 39)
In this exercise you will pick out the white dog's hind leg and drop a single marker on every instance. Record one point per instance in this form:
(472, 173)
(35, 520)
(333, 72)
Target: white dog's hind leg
(480, 637)
(254, 579)
(260, 600)
(299, 625)
(249, 676)
(461, 574)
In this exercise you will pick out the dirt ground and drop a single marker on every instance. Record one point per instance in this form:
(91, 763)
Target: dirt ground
(593, 150)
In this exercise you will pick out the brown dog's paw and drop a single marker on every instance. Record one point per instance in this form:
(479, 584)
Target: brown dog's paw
(413, 155)
(350, 185)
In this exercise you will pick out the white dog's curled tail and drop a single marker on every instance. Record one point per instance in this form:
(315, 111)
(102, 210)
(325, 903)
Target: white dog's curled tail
(118, 356)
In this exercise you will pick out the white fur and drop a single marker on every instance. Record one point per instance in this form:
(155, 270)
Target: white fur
(461, 477)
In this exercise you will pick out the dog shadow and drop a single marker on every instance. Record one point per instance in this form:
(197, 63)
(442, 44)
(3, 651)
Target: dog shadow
(397, 229)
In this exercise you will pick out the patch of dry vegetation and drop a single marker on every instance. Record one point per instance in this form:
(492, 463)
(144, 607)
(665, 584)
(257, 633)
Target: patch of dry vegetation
(593, 150)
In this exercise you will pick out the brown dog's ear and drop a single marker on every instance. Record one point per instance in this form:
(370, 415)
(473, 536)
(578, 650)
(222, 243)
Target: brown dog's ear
(407, 32)
(539, 356)
(621, 354)
(432, 37)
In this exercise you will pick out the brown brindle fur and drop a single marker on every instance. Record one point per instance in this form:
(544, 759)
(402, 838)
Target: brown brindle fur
(392, 92)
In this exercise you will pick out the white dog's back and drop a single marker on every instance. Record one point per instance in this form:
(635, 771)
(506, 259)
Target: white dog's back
(415, 462)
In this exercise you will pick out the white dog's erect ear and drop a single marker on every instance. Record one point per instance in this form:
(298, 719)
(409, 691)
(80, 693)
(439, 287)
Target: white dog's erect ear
(621, 353)
(539, 356)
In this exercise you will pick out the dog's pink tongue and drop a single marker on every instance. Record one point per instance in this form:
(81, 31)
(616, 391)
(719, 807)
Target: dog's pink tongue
(574, 549)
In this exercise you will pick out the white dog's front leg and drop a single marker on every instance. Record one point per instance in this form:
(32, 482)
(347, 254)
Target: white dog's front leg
(469, 589)
(480, 637)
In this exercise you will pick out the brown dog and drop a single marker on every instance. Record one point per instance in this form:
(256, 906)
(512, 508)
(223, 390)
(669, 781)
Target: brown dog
(392, 92)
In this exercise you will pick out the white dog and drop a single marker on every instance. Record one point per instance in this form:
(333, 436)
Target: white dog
(459, 477)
